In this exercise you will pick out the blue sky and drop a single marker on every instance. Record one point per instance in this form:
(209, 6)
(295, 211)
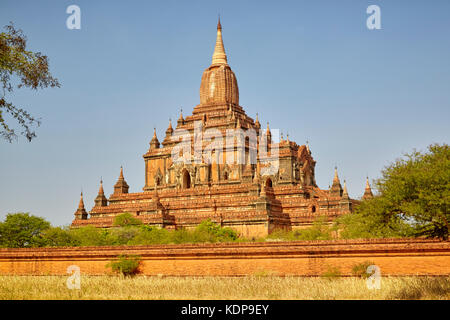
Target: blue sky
(312, 68)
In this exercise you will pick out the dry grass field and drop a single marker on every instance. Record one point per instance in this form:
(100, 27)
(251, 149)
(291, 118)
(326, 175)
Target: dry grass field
(251, 287)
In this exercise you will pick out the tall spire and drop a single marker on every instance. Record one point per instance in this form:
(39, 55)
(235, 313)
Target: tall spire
(219, 56)
(219, 84)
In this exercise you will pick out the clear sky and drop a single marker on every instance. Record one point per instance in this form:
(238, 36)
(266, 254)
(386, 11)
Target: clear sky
(312, 68)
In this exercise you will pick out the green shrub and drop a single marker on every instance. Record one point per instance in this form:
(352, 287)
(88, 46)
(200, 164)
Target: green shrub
(332, 273)
(208, 231)
(125, 220)
(360, 269)
(125, 265)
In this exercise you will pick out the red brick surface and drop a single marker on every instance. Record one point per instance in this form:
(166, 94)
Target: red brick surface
(311, 258)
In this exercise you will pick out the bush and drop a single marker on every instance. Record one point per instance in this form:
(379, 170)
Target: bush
(208, 231)
(125, 220)
(360, 270)
(332, 273)
(125, 265)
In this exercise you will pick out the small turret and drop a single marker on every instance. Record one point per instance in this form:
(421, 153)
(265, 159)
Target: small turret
(257, 124)
(154, 143)
(101, 200)
(336, 188)
(345, 193)
(169, 130)
(121, 185)
(81, 213)
(345, 204)
(368, 191)
(268, 134)
(180, 121)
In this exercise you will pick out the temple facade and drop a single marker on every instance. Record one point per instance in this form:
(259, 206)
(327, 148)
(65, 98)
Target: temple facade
(220, 164)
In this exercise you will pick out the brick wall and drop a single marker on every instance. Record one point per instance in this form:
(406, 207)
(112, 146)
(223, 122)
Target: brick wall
(305, 258)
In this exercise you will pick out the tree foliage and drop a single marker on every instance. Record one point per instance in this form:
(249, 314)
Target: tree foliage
(59, 237)
(413, 199)
(22, 230)
(29, 69)
(90, 236)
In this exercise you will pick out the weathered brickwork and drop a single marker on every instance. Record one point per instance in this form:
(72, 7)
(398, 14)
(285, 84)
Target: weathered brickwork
(241, 195)
(309, 258)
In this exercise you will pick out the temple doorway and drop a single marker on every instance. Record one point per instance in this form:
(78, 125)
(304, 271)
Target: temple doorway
(186, 179)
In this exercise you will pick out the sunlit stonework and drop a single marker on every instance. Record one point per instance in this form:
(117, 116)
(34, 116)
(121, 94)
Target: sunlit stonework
(237, 195)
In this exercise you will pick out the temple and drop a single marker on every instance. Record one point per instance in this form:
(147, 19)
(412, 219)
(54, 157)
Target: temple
(233, 185)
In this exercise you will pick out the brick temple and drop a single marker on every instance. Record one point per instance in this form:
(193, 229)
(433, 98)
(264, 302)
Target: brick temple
(237, 194)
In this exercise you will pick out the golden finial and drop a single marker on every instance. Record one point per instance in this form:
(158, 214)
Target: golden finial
(219, 56)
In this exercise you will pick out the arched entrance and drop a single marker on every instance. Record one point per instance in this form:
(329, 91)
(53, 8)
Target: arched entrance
(186, 179)
(269, 183)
